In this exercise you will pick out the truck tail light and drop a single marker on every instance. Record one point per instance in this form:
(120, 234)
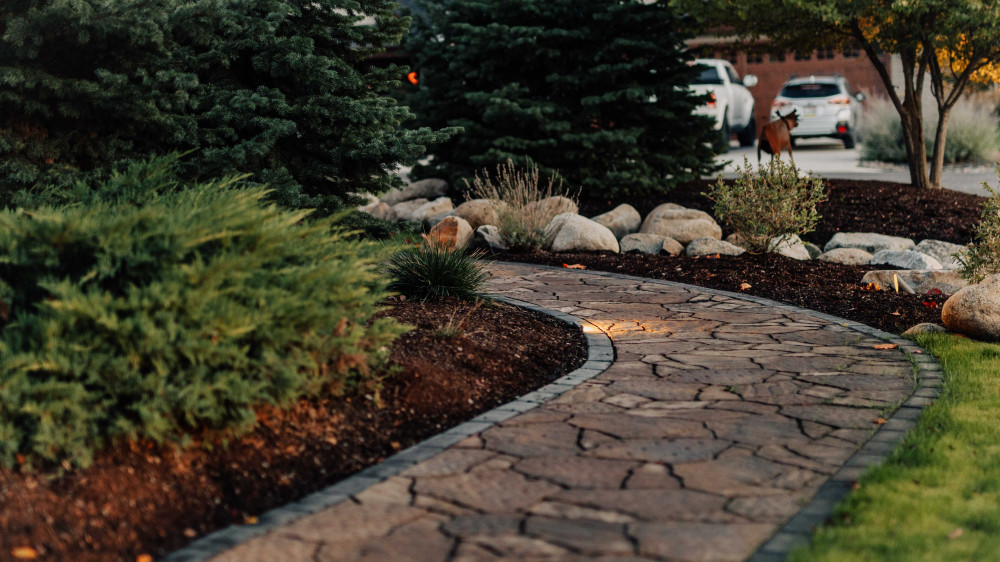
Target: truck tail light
(840, 101)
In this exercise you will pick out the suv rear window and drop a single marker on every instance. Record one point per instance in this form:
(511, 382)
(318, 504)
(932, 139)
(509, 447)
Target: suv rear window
(708, 75)
(814, 90)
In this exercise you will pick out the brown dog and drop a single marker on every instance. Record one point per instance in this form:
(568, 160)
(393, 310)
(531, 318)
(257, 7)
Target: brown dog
(777, 135)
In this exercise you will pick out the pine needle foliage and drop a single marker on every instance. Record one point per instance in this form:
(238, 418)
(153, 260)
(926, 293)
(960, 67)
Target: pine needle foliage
(281, 89)
(434, 271)
(152, 312)
(595, 90)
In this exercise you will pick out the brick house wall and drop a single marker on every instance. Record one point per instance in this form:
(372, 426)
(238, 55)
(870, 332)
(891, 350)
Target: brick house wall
(773, 69)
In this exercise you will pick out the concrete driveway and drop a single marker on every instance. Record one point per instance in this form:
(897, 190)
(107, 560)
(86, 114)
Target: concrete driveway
(829, 159)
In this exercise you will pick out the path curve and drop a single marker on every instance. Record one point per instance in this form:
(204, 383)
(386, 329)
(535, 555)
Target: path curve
(726, 428)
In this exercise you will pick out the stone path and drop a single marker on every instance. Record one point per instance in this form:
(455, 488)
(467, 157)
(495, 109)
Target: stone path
(708, 436)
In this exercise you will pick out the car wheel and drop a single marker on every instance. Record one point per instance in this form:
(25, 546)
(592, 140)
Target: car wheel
(722, 142)
(748, 135)
(849, 139)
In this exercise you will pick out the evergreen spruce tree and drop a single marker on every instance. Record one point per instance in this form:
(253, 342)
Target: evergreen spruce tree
(281, 89)
(593, 90)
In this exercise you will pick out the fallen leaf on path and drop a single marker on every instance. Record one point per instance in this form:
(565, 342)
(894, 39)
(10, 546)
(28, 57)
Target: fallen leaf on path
(250, 520)
(574, 266)
(879, 421)
(955, 534)
(24, 553)
(885, 346)
(745, 286)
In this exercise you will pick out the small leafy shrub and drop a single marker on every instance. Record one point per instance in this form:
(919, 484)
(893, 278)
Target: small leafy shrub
(772, 202)
(152, 313)
(982, 257)
(516, 195)
(433, 271)
(972, 133)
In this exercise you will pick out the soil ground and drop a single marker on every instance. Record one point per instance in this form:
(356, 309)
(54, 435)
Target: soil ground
(460, 360)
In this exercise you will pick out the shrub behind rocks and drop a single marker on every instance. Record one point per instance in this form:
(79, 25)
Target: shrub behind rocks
(982, 257)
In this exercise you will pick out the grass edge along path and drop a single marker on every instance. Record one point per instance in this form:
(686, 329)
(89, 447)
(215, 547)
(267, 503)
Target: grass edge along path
(937, 496)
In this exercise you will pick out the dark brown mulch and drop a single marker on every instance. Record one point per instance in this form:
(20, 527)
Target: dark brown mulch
(851, 206)
(459, 361)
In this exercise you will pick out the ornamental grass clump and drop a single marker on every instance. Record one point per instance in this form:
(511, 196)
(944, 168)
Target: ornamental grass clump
(982, 257)
(517, 198)
(170, 312)
(435, 271)
(768, 206)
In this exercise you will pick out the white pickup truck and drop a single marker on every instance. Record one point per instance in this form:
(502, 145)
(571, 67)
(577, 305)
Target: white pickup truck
(730, 104)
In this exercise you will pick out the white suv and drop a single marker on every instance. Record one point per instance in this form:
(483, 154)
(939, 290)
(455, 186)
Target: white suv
(826, 106)
(730, 102)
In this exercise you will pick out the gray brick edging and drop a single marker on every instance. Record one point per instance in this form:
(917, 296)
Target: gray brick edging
(600, 355)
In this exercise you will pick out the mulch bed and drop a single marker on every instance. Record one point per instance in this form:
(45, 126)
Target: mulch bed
(459, 361)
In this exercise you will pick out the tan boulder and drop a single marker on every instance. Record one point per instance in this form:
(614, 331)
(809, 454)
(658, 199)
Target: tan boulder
(552, 206)
(431, 188)
(451, 233)
(477, 212)
(570, 232)
(975, 310)
(622, 220)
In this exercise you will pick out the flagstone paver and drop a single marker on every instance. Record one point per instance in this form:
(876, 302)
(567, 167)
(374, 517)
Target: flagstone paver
(720, 418)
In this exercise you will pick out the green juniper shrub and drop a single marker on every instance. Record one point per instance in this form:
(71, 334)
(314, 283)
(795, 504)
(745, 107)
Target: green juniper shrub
(516, 196)
(982, 257)
(433, 271)
(767, 205)
(151, 312)
(597, 90)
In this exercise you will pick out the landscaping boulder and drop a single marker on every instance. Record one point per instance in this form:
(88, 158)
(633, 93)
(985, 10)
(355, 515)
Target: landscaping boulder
(381, 211)
(370, 200)
(570, 232)
(683, 225)
(906, 259)
(650, 244)
(921, 281)
(736, 239)
(975, 310)
(813, 249)
(925, 328)
(424, 189)
(942, 251)
(552, 206)
(789, 246)
(846, 256)
(710, 246)
(868, 241)
(430, 221)
(488, 237)
(477, 212)
(451, 233)
(622, 220)
(406, 210)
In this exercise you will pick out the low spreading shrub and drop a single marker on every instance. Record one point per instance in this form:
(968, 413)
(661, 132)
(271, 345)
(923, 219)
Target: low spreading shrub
(151, 313)
(982, 257)
(765, 206)
(972, 133)
(433, 271)
(516, 196)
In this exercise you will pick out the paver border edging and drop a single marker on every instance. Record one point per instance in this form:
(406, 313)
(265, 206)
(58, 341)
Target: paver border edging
(600, 355)
(798, 529)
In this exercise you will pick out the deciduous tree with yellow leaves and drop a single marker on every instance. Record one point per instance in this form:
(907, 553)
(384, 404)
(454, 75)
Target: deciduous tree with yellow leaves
(946, 44)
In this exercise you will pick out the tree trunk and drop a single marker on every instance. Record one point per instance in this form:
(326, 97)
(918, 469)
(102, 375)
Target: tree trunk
(940, 136)
(916, 150)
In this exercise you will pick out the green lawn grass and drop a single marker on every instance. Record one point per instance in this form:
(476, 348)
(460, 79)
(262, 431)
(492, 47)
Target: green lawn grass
(937, 496)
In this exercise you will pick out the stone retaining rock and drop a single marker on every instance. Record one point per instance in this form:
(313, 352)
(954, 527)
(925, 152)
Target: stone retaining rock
(570, 232)
(906, 259)
(406, 210)
(710, 246)
(424, 189)
(868, 241)
(846, 256)
(650, 244)
(622, 220)
(790, 247)
(975, 310)
(813, 249)
(683, 225)
(477, 212)
(942, 251)
(420, 209)
(451, 233)
(921, 281)
(925, 328)
(488, 237)
(380, 210)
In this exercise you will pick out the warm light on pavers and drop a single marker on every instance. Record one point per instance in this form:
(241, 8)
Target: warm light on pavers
(706, 438)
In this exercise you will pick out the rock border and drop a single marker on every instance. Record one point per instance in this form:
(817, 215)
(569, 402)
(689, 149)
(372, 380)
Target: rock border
(600, 356)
